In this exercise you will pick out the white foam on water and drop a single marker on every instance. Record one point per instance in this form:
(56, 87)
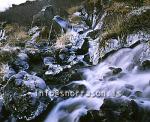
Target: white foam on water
(71, 109)
(100, 79)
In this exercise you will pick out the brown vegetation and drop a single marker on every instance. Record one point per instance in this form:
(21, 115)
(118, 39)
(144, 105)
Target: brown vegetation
(63, 40)
(119, 22)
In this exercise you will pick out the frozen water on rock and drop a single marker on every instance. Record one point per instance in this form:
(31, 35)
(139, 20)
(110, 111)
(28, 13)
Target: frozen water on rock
(34, 37)
(45, 7)
(22, 61)
(82, 104)
(48, 60)
(139, 11)
(94, 51)
(34, 82)
(23, 56)
(100, 23)
(53, 69)
(115, 44)
(28, 80)
(77, 40)
(140, 36)
(112, 45)
(8, 72)
(2, 35)
(33, 30)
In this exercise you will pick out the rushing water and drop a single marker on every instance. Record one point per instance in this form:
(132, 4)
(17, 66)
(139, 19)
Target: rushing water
(119, 75)
(100, 79)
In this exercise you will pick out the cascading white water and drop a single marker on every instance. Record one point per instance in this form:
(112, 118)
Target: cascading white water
(70, 110)
(100, 79)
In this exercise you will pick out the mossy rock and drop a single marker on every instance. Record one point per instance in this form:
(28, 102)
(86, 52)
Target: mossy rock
(122, 25)
(8, 56)
(22, 100)
(139, 22)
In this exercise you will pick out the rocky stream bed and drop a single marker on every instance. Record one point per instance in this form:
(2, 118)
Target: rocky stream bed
(98, 52)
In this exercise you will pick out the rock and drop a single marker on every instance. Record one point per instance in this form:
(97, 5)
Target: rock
(117, 110)
(50, 30)
(34, 55)
(45, 31)
(21, 62)
(145, 65)
(92, 116)
(8, 54)
(43, 16)
(49, 60)
(133, 29)
(125, 92)
(44, 114)
(53, 69)
(138, 93)
(21, 96)
(94, 34)
(8, 72)
(2, 116)
(33, 30)
(77, 75)
(112, 73)
(64, 56)
(84, 49)
(115, 70)
(63, 77)
(128, 86)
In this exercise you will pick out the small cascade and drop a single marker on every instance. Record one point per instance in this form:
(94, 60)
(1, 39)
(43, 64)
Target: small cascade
(120, 75)
(110, 78)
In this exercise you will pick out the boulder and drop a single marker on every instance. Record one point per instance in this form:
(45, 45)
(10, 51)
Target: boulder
(21, 96)
(145, 65)
(118, 110)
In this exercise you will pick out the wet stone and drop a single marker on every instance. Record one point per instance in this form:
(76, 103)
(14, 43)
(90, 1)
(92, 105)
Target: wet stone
(115, 70)
(145, 65)
(128, 86)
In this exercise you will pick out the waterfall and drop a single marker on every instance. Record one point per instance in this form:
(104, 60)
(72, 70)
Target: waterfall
(100, 79)
(118, 76)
